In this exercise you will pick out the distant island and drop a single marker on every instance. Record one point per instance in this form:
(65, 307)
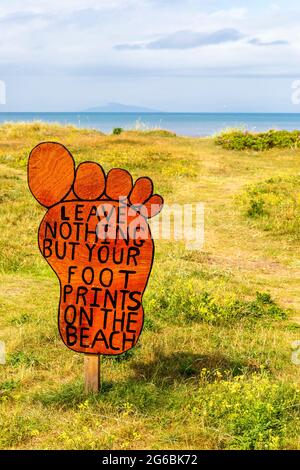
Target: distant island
(120, 108)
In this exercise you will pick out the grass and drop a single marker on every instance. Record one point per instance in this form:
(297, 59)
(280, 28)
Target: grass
(274, 205)
(213, 367)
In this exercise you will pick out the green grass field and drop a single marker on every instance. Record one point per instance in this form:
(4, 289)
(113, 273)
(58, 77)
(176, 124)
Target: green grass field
(213, 367)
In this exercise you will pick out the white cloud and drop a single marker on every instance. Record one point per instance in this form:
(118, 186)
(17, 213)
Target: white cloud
(56, 6)
(188, 40)
(81, 33)
(162, 38)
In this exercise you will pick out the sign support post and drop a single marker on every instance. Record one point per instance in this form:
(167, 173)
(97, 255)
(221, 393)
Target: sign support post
(92, 378)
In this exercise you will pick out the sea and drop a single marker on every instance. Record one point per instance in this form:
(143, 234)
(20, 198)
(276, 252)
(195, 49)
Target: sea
(186, 124)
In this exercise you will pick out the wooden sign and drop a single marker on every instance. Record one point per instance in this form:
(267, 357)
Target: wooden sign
(96, 238)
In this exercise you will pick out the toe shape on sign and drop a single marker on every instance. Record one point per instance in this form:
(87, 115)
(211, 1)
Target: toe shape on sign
(51, 171)
(118, 184)
(153, 206)
(89, 181)
(141, 191)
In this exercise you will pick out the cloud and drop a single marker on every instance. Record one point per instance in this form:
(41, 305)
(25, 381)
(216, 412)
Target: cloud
(19, 17)
(259, 42)
(131, 47)
(72, 44)
(188, 40)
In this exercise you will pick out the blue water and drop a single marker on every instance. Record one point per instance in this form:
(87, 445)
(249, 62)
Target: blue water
(192, 124)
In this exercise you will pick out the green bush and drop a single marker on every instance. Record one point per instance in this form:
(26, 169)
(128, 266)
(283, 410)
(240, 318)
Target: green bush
(241, 140)
(7, 386)
(182, 302)
(253, 412)
(20, 358)
(117, 131)
(274, 205)
(160, 133)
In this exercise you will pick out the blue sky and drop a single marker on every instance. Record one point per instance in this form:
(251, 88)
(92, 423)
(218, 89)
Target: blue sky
(172, 55)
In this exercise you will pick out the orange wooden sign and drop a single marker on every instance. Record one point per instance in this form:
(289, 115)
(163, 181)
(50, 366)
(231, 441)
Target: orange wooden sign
(96, 238)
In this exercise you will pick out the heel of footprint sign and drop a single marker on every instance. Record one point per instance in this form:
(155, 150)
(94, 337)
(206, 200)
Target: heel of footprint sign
(96, 238)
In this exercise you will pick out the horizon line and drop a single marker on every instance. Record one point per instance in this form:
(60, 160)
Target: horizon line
(151, 112)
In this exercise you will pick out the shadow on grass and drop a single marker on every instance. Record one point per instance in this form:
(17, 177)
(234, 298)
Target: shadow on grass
(153, 384)
(182, 366)
(66, 396)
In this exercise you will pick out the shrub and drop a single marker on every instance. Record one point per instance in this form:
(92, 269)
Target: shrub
(241, 140)
(20, 428)
(117, 131)
(20, 358)
(160, 133)
(7, 386)
(251, 412)
(183, 302)
(274, 205)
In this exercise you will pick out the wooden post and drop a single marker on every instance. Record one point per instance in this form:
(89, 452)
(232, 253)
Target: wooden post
(92, 382)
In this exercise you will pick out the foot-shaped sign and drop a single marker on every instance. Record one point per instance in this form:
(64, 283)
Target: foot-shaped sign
(96, 238)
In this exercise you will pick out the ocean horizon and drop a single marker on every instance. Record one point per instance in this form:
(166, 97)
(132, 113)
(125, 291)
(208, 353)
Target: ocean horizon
(189, 124)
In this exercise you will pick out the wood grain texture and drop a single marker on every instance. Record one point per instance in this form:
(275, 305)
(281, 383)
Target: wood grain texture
(118, 184)
(92, 377)
(89, 181)
(98, 243)
(141, 191)
(153, 206)
(50, 173)
(102, 279)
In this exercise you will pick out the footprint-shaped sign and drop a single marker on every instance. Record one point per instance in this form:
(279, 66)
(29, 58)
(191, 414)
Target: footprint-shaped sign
(96, 238)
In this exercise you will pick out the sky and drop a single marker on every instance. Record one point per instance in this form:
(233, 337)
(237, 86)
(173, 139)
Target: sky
(169, 55)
